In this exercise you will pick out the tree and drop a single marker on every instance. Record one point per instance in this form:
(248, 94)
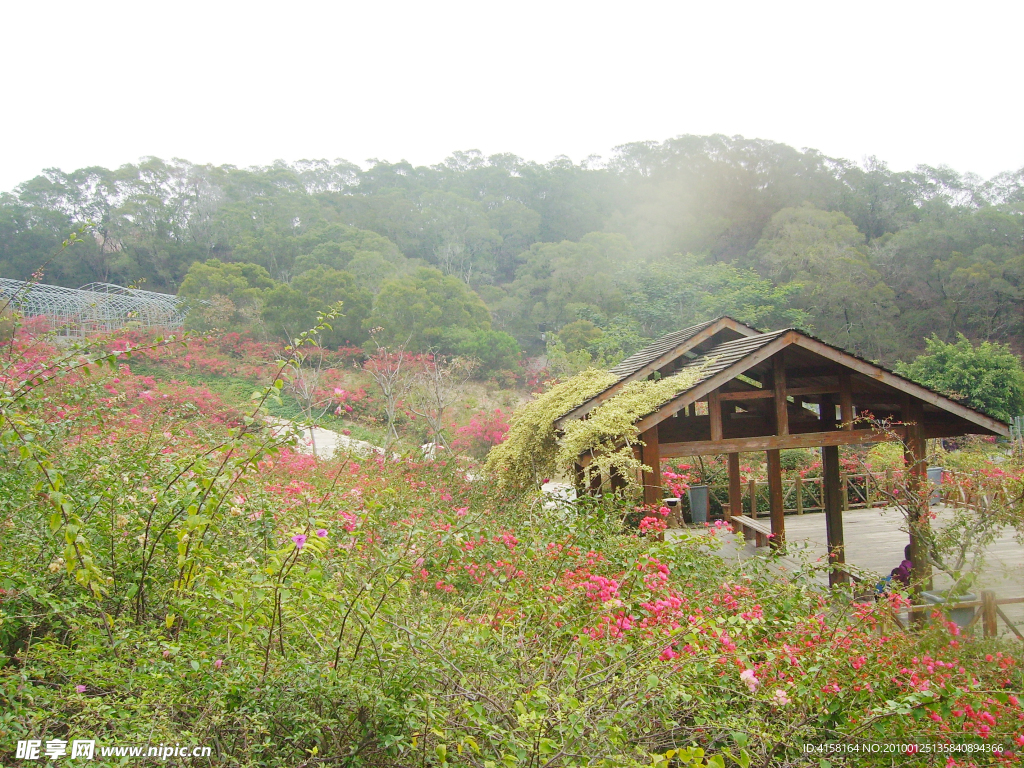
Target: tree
(336, 245)
(492, 350)
(824, 254)
(386, 365)
(227, 296)
(578, 335)
(325, 287)
(684, 289)
(423, 306)
(988, 377)
(437, 384)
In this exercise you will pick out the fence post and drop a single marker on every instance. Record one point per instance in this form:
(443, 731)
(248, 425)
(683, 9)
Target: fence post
(869, 481)
(799, 495)
(845, 492)
(988, 612)
(753, 498)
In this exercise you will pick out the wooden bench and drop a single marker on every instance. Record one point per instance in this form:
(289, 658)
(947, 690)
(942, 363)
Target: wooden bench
(759, 531)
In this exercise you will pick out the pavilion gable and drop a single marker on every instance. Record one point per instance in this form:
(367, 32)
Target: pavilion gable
(667, 355)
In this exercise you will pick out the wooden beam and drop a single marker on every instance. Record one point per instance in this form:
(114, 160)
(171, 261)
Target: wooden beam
(795, 392)
(811, 372)
(903, 385)
(735, 506)
(651, 456)
(845, 400)
(715, 412)
(767, 394)
(775, 500)
(776, 442)
(750, 394)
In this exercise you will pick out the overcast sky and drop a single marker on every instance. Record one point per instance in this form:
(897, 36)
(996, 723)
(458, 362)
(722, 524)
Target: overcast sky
(105, 83)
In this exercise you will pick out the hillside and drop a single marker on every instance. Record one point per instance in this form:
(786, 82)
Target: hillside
(498, 254)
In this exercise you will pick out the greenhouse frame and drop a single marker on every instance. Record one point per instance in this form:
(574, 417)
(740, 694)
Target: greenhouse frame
(93, 308)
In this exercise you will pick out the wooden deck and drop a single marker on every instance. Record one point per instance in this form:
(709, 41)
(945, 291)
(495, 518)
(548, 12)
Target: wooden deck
(874, 542)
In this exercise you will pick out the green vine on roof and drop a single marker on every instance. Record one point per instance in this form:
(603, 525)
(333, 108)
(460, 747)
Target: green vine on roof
(608, 436)
(527, 456)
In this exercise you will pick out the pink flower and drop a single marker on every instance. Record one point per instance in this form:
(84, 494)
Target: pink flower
(652, 524)
(748, 677)
(322, 533)
(780, 697)
(80, 688)
(217, 663)
(300, 540)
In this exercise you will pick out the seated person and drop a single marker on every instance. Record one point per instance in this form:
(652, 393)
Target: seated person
(900, 573)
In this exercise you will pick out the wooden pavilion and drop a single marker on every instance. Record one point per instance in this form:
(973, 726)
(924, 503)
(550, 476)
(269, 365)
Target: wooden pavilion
(784, 389)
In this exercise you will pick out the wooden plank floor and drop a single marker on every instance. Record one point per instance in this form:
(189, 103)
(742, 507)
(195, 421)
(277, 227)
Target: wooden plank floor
(874, 542)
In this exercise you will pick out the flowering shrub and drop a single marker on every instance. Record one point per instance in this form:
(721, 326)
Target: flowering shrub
(483, 432)
(176, 574)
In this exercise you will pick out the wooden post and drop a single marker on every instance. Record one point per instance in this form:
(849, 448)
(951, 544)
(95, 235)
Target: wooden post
(752, 491)
(781, 406)
(831, 498)
(845, 400)
(735, 488)
(775, 504)
(616, 482)
(799, 495)
(844, 493)
(715, 412)
(831, 490)
(919, 492)
(988, 613)
(651, 456)
(579, 480)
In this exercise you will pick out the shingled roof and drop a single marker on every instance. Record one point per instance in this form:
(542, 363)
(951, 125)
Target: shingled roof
(656, 349)
(728, 354)
(732, 354)
(724, 355)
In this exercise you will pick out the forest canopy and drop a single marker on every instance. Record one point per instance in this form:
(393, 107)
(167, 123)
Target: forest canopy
(495, 251)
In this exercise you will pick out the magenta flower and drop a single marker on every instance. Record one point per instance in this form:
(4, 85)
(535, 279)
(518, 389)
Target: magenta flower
(80, 688)
(322, 533)
(217, 663)
(300, 540)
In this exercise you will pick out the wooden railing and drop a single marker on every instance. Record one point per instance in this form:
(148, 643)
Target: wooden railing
(863, 490)
(986, 610)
